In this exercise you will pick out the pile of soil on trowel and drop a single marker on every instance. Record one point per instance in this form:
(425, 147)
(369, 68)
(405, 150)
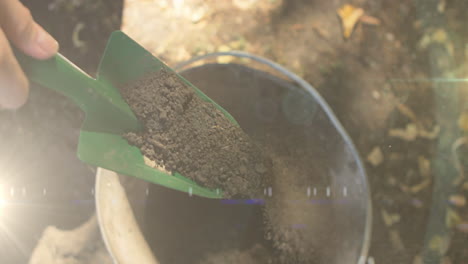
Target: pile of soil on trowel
(185, 134)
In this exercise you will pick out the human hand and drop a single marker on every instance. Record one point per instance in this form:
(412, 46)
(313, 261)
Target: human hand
(18, 28)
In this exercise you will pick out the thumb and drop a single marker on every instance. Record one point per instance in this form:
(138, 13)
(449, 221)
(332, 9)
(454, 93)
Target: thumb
(21, 29)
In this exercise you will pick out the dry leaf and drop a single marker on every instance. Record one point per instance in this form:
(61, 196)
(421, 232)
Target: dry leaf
(435, 36)
(452, 218)
(439, 36)
(429, 134)
(390, 219)
(457, 200)
(420, 186)
(412, 131)
(408, 134)
(375, 157)
(406, 111)
(409, 113)
(349, 15)
(370, 20)
(439, 244)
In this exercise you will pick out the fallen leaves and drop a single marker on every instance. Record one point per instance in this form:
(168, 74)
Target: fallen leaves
(370, 20)
(457, 200)
(414, 189)
(390, 219)
(351, 15)
(429, 134)
(412, 131)
(437, 36)
(439, 244)
(452, 219)
(375, 157)
(406, 111)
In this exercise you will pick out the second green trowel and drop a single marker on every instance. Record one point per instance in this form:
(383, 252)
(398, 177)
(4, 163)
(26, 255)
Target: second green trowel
(107, 115)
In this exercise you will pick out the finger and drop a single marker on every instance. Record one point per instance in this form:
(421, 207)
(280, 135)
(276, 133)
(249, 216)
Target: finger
(19, 26)
(14, 86)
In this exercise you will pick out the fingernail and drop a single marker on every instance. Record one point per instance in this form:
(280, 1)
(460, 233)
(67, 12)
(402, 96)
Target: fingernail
(47, 44)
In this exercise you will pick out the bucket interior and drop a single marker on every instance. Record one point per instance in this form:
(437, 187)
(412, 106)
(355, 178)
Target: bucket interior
(315, 210)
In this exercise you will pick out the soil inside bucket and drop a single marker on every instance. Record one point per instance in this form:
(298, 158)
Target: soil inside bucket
(185, 134)
(286, 226)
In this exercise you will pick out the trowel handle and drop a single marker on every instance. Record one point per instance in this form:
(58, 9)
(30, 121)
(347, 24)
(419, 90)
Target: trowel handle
(61, 75)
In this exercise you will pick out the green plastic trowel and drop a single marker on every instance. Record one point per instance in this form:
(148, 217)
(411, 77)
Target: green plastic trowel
(107, 115)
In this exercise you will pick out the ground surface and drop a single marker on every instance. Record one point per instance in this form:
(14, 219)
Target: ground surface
(361, 78)
(368, 80)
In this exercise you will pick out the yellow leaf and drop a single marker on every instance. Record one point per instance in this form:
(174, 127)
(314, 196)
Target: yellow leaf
(375, 157)
(349, 15)
(410, 133)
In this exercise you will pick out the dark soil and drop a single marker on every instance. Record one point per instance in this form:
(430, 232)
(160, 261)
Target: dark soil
(285, 227)
(188, 135)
